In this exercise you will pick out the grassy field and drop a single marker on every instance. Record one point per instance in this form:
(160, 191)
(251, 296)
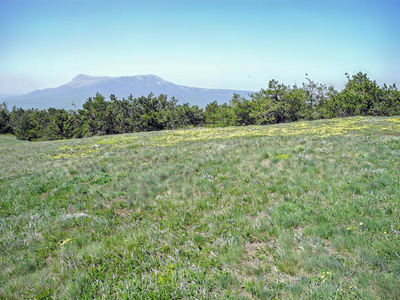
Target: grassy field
(307, 210)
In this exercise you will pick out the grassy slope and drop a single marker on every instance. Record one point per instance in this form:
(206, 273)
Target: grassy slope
(302, 210)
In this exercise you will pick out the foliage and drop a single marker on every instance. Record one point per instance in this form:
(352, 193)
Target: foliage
(363, 97)
(5, 124)
(61, 125)
(279, 103)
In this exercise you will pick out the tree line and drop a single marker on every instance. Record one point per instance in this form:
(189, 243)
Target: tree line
(279, 103)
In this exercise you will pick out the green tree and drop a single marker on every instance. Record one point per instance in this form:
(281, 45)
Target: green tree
(316, 96)
(187, 115)
(97, 116)
(123, 115)
(365, 93)
(5, 119)
(360, 97)
(218, 115)
(389, 102)
(295, 104)
(241, 110)
(269, 104)
(61, 125)
(29, 126)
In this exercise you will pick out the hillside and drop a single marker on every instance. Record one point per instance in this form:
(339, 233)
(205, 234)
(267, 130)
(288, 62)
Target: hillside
(84, 86)
(306, 210)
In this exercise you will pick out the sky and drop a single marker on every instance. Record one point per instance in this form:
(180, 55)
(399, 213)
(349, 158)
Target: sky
(211, 44)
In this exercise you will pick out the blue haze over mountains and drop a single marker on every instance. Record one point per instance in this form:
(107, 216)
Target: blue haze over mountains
(84, 86)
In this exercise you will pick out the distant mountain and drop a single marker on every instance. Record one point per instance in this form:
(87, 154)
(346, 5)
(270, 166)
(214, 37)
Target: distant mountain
(84, 86)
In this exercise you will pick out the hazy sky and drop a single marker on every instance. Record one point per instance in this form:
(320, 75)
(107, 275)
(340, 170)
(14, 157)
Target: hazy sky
(215, 44)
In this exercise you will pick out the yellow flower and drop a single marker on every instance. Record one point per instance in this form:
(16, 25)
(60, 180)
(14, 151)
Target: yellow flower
(385, 232)
(348, 228)
(66, 241)
(361, 223)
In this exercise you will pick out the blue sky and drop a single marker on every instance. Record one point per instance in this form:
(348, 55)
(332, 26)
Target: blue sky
(213, 44)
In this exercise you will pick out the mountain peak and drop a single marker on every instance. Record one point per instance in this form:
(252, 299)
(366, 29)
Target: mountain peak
(81, 76)
(143, 77)
(85, 80)
(94, 79)
(83, 86)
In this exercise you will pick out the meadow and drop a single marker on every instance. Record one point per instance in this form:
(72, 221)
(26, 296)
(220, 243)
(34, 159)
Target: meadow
(306, 210)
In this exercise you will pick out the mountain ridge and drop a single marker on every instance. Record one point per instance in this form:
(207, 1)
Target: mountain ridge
(84, 86)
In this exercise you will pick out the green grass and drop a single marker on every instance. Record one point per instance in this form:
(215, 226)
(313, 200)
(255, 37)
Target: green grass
(306, 210)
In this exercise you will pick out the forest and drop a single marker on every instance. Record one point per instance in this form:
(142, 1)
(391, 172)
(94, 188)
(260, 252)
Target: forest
(278, 103)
